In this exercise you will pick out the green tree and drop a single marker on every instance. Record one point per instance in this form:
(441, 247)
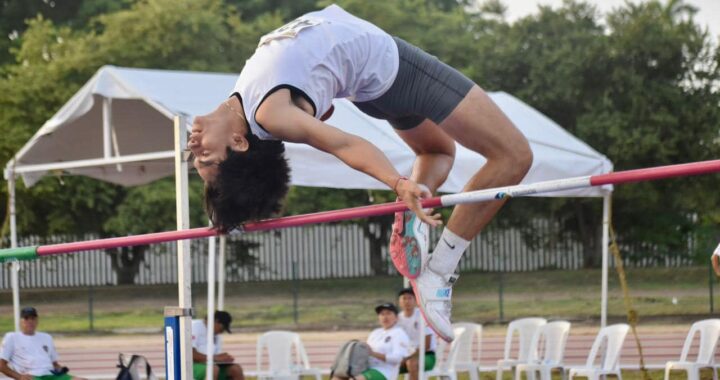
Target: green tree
(73, 13)
(549, 60)
(149, 208)
(304, 200)
(287, 10)
(642, 90)
(53, 61)
(659, 105)
(640, 85)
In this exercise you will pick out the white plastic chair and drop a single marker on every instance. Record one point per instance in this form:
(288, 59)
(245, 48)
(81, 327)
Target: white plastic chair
(525, 329)
(552, 337)
(611, 338)
(465, 362)
(460, 358)
(709, 331)
(281, 365)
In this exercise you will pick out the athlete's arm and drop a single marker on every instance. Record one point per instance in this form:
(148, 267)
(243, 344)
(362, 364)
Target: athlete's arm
(284, 120)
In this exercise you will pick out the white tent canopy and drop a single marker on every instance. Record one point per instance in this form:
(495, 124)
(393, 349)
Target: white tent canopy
(122, 117)
(119, 128)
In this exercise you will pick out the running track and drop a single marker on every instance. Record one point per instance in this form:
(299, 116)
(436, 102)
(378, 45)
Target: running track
(98, 360)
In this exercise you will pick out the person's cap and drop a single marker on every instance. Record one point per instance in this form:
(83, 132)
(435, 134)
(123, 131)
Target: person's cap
(28, 312)
(386, 306)
(224, 318)
(406, 291)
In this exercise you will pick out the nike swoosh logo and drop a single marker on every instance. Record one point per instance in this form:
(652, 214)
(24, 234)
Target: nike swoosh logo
(448, 244)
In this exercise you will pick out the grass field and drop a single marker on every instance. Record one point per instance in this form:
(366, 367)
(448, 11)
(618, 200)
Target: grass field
(658, 294)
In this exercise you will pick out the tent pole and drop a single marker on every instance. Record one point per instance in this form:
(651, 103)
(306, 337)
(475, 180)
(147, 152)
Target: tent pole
(183, 249)
(221, 273)
(15, 266)
(15, 283)
(210, 347)
(421, 348)
(605, 248)
(107, 127)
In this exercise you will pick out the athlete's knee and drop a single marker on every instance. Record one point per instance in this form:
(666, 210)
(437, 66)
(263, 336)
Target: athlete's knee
(521, 157)
(512, 165)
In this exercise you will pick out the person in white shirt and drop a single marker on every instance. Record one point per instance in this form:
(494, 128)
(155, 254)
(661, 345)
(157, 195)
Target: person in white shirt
(284, 94)
(225, 366)
(388, 346)
(409, 319)
(29, 354)
(715, 258)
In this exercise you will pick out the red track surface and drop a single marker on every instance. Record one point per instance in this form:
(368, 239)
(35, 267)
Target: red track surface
(99, 362)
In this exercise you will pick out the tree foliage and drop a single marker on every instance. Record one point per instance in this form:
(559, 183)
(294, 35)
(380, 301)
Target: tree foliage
(52, 61)
(640, 84)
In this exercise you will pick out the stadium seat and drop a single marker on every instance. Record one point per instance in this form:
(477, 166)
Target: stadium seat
(709, 331)
(281, 365)
(610, 339)
(551, 338)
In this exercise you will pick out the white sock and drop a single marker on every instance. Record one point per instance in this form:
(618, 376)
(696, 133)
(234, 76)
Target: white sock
(447, 253)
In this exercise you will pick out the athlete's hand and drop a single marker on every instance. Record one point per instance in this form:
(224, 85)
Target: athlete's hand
(715, 259)
(411, 193)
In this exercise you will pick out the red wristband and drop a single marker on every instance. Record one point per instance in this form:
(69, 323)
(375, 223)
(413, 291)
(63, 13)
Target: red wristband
(397, 182)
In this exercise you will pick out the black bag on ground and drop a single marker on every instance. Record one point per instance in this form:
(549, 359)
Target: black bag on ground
(352, 360)
(129, 371)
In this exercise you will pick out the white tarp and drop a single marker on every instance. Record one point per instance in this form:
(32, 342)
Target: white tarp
(142, 103)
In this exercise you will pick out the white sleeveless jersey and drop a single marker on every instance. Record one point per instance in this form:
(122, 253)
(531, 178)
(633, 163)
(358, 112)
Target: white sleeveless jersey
(325, 54)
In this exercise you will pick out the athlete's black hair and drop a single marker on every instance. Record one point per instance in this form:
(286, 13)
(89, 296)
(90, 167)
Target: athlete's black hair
(249, 185)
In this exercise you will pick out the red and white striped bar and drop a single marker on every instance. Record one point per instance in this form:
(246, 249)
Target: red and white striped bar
(638, 175)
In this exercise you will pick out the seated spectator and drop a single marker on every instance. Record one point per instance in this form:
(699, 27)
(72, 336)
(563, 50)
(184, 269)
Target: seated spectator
(388, 346)
(409, 319)
(224, 364)
(30, 354)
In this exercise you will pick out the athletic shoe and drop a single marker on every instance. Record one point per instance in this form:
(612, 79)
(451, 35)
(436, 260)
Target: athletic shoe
(409, 243)
(433, 293)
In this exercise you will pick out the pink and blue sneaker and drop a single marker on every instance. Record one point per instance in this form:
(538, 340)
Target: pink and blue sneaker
(409, 243)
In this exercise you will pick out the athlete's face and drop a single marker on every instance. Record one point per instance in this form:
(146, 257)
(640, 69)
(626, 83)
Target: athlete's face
(387, 318)
(213, 134)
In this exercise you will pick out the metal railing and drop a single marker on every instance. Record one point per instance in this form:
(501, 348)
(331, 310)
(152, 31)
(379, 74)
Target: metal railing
(316, 252)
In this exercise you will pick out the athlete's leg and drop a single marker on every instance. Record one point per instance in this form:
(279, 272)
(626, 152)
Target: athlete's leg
(435, 151)
(478, 124)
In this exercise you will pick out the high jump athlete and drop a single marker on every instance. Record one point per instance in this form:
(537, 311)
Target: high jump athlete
(285, 92)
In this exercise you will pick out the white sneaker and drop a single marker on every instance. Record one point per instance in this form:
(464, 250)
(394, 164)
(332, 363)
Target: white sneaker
(433, 293)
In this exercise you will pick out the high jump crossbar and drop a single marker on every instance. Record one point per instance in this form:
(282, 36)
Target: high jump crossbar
(614, 178)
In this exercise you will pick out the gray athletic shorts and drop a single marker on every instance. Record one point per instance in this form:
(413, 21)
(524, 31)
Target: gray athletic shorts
(424, 88)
